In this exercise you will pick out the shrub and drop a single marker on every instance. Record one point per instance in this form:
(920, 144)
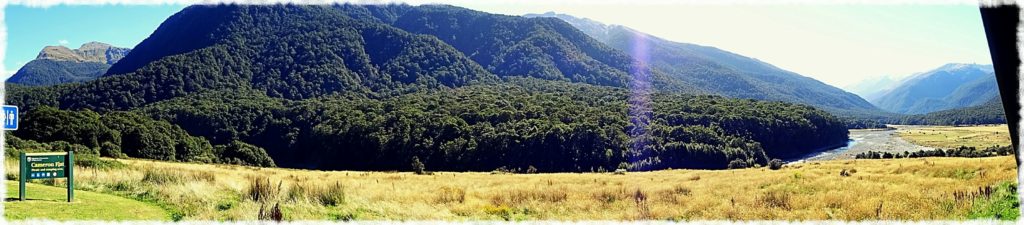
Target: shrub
(109, 149)
(501, 170)
(417, 166)
(737, 164)
(775, 164)
(241, 153)
(531, 169)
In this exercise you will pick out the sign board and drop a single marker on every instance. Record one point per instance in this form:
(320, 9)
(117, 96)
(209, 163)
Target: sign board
(10, 117)
(47, 165)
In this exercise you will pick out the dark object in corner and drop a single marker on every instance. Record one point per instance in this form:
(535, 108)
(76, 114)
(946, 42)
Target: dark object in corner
(1001, 29)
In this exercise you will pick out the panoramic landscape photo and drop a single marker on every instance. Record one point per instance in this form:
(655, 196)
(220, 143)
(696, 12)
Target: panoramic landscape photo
(498, 111)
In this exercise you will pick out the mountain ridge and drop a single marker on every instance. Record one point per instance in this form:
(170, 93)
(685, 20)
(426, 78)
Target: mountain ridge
(322, 87)
(953, 85)
(59, 64)
(723, 72)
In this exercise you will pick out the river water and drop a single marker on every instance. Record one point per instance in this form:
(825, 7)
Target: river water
(864, 140)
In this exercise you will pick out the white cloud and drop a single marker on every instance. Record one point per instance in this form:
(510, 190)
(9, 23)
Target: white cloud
(63, 42)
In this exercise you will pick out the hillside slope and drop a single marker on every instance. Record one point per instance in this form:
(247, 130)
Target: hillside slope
(990, 112)
(323, 87)
(721, 72)
(950, 86)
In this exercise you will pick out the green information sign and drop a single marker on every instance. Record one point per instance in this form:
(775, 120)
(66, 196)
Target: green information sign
(48, 165)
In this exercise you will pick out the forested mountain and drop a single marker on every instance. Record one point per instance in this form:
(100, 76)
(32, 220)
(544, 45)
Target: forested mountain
(516, 46)
(721, 72)
(287, 52)
(58, 64)
(950, 86)
(553, 126)
(990, 112)
(371, 87)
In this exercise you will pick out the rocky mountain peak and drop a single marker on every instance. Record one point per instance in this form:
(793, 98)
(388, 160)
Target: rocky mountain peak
(88, 52)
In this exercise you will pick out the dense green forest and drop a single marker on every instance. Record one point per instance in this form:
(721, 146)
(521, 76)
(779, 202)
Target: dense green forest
(325, 88)
(553, 126)
(118, 134)
(991, 112)
(50, 72)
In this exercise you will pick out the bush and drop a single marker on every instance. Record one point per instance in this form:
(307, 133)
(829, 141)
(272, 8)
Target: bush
(241, 153)
(109, 149)
(775, 164)
(417, 166)
(737, 164)
(531, 169)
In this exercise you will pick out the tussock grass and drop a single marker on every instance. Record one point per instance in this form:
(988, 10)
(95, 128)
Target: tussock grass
(898, 189)
(451, 195)
(261, 189)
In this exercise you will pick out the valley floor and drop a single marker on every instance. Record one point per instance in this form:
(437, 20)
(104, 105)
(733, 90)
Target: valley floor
(903, 189)
(911, 138)
(981, 136)
(844, 189)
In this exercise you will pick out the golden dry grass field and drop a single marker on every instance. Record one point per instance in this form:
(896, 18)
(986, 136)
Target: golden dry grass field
(900, 189)
(952, 137)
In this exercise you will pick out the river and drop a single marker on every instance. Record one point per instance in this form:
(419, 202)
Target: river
(864, 140)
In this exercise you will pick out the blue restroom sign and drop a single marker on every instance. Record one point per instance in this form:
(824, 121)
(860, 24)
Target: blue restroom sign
(10, 117)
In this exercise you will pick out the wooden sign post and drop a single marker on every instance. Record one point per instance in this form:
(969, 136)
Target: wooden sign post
(47, 165)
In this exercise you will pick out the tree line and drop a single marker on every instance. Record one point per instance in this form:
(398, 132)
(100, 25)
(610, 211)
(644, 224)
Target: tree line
(551, 126)
(962, 151)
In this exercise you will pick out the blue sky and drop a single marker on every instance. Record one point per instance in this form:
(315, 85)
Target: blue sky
(837, 44)
(29, 29)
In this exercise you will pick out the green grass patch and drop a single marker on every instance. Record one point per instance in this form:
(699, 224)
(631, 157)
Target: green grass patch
(47, 202)
(1002, 205)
